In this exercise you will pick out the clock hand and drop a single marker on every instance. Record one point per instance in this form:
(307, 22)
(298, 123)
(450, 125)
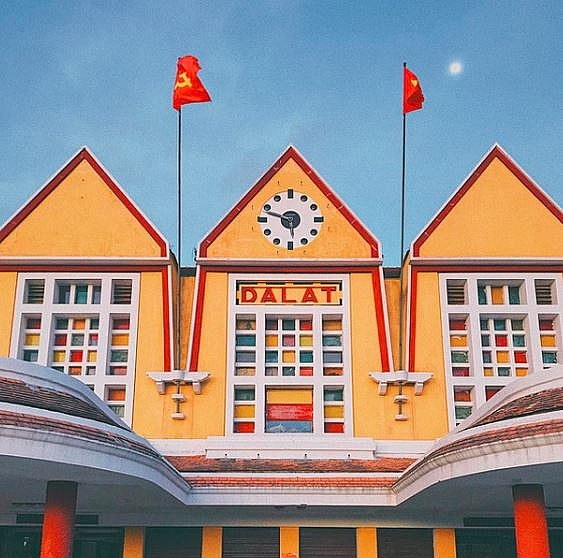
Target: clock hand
(274, 214)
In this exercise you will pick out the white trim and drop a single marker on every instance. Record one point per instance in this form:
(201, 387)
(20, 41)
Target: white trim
(527, 310)
(83, 261)
(290, 262)
(104, 312)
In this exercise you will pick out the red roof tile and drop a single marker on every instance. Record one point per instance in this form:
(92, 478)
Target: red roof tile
(202, 464)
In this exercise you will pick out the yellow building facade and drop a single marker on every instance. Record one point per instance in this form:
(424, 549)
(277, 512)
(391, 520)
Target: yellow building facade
(317, 402)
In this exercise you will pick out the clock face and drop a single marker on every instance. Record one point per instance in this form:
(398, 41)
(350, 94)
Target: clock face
(290, 219)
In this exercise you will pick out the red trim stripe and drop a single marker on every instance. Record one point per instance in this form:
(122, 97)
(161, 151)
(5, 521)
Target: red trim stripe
(166, 319)
(198, 319)
(380, 319)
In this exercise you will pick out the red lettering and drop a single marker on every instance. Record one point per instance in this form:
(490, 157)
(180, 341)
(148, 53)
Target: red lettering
(284, 296)
(248, 294)
(328, 291)
(268, 295)
(309, 295)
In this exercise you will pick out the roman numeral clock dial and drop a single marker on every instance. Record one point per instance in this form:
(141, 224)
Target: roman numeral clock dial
(290, 219)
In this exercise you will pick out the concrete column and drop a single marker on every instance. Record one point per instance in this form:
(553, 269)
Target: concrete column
(532, 540)
(58, 521)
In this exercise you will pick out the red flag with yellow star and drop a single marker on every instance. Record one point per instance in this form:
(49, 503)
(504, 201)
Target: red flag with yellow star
(412, 92)
(188, 87)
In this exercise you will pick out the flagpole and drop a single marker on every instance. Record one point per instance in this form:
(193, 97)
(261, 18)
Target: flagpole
(401, 295)
(179, 242)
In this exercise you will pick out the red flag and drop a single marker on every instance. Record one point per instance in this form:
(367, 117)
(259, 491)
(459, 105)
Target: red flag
(188, 87)
(412, 92)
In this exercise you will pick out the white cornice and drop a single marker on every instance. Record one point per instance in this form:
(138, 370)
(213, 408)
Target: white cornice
(289, 262)
(461, 261)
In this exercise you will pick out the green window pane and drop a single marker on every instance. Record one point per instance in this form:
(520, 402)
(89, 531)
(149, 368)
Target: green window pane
(549, 357)
(459, 356)
(244, 394)
(119, 356)
(288, 325)
(288, 371)
(504, 371)
(517, 325)
(81, 294)
(518, 340)
(482, 294)
(499, 325)
(334, 395)
(271, 356)
(462, 412)
(513, 295)
(246, 340)
(485, 340)
(332, 340)
(306, 356)
(245, 356)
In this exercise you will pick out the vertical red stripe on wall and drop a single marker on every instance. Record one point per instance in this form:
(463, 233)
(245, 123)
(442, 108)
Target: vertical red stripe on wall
(380, 318)
(58, 522)
(532, 539)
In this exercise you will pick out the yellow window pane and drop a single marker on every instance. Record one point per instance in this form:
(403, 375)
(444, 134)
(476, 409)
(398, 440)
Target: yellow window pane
(79, 324)
(75, 370)
(288, 356)
(458, 340)
(120, 339)
(58, 356)
(244, 411)
(497, 295)
(521, 371)
(304, 395)
(271, 340)
(487, 371)
(332, 325)
(334, 411)
(502, 356)
(547, 340)
(32, 339)
(92, 356)
(305, 341)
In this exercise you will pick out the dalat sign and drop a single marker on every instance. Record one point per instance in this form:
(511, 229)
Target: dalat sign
(289, 292)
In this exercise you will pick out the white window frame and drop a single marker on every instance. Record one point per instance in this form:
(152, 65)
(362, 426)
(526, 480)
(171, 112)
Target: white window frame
(105, 311)
(317, 382)
(527, 309)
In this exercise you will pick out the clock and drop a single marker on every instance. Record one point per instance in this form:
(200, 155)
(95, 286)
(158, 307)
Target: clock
(290, 219)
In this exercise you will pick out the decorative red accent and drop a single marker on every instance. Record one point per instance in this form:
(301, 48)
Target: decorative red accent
(58, 522)
(412, 92)
(290, 153)
(530, 523)
(166, 320)
(196, 338)
(84, 155)
(244, 427)
(289, 411)
(495, 153)
(188, 88)
(334, 428)
(380, 319)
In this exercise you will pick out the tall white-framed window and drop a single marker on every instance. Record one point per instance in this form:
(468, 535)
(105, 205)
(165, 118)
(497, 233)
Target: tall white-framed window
(497, 327)
(289, 357)
(84, 325)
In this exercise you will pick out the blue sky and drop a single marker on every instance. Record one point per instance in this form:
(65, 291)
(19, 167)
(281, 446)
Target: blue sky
(324, 76)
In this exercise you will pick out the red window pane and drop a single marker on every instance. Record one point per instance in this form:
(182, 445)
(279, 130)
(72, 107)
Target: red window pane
(334, 428)
(60, 340)
(501, 340)
(520, 356)
(244, 427)
(75, 356)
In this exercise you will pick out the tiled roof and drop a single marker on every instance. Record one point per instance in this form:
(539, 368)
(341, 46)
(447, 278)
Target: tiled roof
(46, 424)
(532, 404)
(495, 436)
(19, 392)
(292, 482)
(202, 464)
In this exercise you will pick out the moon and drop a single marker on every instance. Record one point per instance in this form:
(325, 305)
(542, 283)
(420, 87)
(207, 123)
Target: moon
(455, 68)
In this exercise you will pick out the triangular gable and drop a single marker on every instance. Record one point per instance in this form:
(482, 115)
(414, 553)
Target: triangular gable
(497, 212)
(81, 212)
(343, 235)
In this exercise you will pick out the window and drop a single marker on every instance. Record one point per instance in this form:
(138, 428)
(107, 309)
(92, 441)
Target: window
(288, 366)
(497, 328)
(81, 325)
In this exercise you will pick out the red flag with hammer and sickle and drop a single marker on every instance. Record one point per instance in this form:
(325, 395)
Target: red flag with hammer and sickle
(188, 87)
